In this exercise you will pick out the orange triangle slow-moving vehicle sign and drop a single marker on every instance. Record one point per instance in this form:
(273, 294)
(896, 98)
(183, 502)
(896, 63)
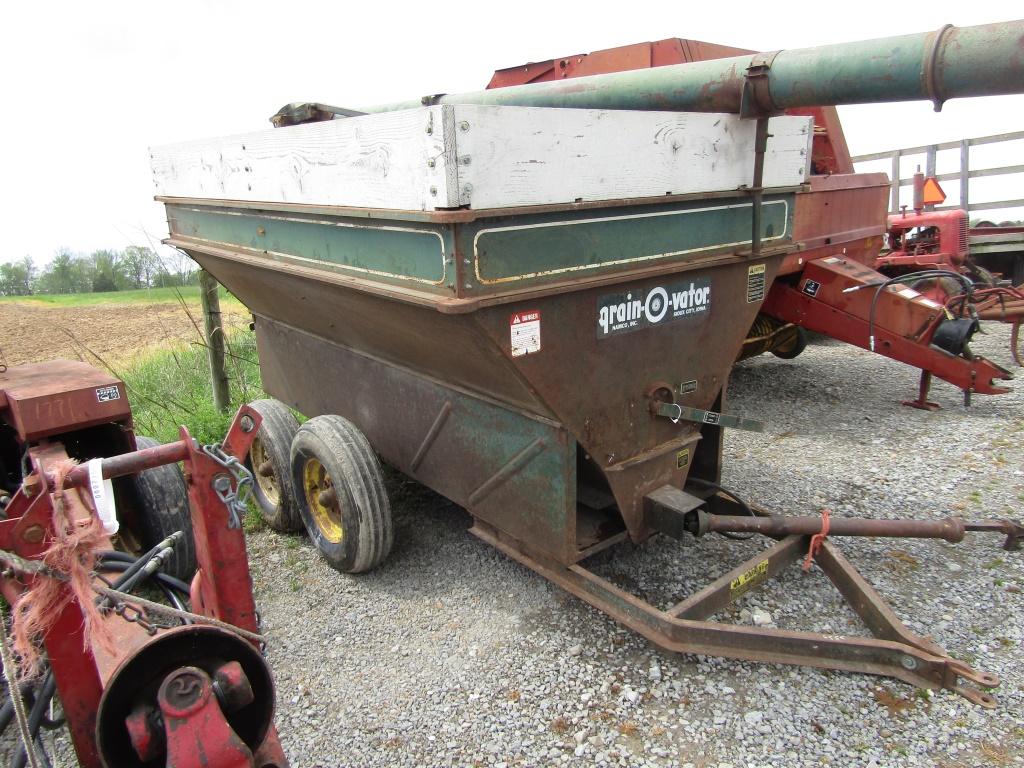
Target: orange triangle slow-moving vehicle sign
(932, 193)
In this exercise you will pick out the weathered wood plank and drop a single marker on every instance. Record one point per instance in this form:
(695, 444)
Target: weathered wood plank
(390, 160)
(511, 156)
(484, 157)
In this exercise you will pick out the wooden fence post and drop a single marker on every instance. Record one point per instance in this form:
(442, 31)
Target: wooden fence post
(208, 287)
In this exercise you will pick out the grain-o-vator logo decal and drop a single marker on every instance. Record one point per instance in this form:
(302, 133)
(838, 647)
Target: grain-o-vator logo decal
(639, 308)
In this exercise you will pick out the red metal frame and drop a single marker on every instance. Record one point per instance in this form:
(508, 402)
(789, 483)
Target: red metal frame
(221, 589)
(904, 320)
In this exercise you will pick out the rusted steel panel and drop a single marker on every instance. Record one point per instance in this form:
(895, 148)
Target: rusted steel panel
(515, 469)
(843, 214)
(44, 399)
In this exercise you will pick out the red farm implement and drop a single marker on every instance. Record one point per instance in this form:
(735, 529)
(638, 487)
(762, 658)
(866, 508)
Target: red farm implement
(138, 681)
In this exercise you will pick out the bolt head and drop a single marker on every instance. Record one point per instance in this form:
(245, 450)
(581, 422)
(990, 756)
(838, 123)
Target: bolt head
(33, 534)
(909, 662)
(222, 483)
(247, 423)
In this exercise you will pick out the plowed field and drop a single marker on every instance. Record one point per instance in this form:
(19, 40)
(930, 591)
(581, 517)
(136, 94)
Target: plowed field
(115, 333)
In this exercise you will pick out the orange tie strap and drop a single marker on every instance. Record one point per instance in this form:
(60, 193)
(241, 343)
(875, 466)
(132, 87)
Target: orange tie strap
(816, 541)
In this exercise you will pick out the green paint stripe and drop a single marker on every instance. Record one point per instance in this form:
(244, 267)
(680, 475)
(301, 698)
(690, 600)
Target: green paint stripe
(524, 252)
(401, 253)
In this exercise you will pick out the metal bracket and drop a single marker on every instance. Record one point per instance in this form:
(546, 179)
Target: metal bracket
(669, 511)
(756, 98)
(675, 412)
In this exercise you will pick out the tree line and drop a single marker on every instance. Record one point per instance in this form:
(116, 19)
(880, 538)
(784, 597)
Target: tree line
(104, 270)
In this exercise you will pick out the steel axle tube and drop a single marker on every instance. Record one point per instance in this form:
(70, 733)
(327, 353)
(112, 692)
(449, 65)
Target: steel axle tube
(951, 529)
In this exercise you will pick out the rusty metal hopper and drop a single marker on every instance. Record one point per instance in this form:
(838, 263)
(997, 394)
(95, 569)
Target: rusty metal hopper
(533, 310)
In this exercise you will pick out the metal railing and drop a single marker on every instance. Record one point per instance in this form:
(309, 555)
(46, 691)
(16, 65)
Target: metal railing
(964, 175)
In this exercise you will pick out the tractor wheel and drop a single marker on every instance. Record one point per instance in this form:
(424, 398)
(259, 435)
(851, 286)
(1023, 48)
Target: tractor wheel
(269, 460)
(793, 346)
(162, 504)
(341, 494)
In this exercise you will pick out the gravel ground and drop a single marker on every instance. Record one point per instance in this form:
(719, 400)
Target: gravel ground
(452, 655)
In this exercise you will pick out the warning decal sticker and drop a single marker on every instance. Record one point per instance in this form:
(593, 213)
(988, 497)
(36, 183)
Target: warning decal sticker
(683, 458)
(755, 283)
(524, 328)
(106, 394)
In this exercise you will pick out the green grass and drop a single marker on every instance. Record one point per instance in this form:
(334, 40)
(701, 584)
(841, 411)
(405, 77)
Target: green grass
(172, 388)
(189, 293)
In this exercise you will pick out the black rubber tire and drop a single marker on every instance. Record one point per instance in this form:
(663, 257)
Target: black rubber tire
(354, 533)
(163, 508)
(276, 499)
(793, 350)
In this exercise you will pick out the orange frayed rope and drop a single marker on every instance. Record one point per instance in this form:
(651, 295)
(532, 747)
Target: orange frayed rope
(816, 541)
(78, 535)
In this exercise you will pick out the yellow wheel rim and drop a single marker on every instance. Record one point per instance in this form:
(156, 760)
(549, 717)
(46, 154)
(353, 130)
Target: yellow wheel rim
(265, 477)
(322, 500)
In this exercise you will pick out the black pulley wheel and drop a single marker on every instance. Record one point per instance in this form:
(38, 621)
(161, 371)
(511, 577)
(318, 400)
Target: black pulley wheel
(341, 494)
(161, 509)
(269, 460)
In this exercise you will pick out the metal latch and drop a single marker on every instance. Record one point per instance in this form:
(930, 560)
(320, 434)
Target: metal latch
(675, 413)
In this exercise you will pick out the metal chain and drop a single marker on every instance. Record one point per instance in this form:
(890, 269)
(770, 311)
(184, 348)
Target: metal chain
(134, 615)
(18, 564)
(233, 498)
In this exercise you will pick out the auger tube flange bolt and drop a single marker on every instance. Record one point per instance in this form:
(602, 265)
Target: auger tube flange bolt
(247, 423)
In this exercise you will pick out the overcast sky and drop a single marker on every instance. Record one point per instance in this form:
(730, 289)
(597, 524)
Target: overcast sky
(87, 87)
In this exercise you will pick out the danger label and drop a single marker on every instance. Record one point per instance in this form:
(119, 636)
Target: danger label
(755, 283)
(524, 328)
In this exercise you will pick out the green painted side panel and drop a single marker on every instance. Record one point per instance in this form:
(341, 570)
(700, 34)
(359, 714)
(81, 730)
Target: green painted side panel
(521, 249)
(410, 254)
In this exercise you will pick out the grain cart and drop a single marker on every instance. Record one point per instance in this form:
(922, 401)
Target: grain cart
(529, 300)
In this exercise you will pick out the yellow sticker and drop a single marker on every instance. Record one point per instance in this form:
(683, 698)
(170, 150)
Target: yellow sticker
(747, 581)
(683, 458)
(755, 283)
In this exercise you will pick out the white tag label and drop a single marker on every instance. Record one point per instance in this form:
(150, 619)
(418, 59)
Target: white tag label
(524, 328)
(106, 394)
(103, 497)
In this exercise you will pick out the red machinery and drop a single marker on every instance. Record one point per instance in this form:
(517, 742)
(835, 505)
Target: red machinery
(138, 682)
(829, 286)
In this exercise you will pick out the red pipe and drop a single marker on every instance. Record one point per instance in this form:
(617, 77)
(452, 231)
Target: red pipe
(130, 463)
